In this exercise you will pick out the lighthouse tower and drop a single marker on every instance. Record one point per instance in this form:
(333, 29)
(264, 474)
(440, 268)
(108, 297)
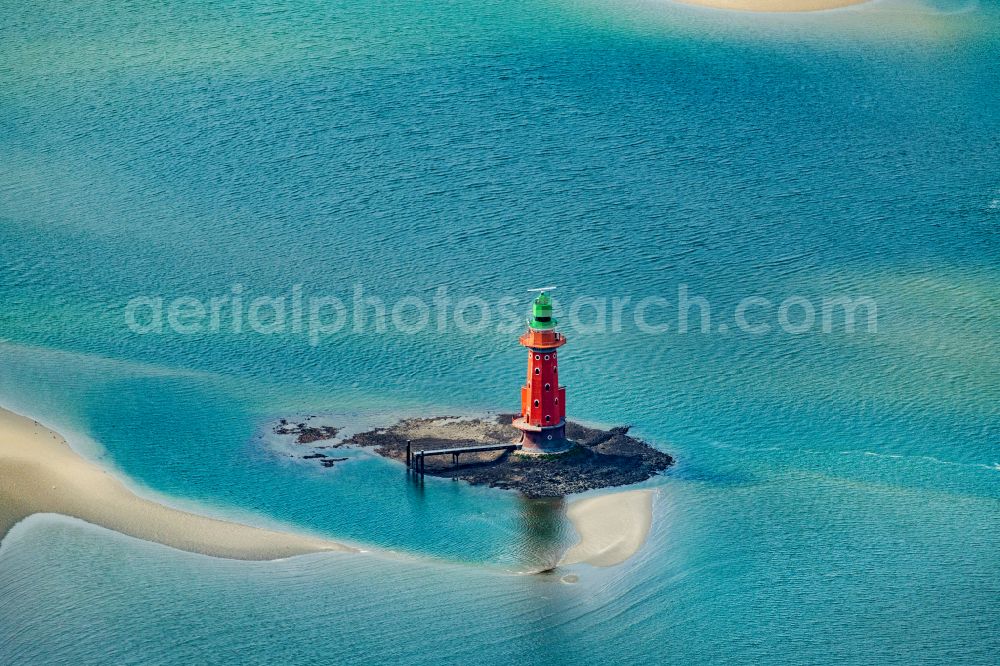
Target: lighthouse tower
(542, 421)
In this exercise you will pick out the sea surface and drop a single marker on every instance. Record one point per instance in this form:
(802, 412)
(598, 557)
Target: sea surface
(837, 495)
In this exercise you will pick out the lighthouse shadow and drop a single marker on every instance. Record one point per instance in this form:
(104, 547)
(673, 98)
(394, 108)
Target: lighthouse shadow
(545, 535)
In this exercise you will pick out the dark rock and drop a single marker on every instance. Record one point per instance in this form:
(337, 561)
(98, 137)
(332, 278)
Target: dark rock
(306, 434)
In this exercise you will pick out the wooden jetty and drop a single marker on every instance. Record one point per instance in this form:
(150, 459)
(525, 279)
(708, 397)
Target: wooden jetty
(416, 460)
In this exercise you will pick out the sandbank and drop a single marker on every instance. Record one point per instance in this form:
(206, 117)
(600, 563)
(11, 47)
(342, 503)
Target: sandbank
(612, 527)
(40, 473)
(773, 5)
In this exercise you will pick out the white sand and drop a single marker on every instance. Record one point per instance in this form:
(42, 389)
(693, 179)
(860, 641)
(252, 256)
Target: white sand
(774, 5)
(40, 473)
(611, 527)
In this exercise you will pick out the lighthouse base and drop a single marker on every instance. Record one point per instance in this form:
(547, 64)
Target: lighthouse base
(536, 440)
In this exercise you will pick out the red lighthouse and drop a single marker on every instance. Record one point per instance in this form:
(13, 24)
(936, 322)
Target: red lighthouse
(543, 401)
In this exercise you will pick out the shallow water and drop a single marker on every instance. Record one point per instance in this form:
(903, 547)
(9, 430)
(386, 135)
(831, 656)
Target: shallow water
(836, 495)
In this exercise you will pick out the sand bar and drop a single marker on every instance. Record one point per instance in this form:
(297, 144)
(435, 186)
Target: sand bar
(612, 527)
(40, 473)
(774, 5)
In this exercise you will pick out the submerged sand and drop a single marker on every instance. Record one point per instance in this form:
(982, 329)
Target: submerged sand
(40, 473)
(612, 528)
(774, 5)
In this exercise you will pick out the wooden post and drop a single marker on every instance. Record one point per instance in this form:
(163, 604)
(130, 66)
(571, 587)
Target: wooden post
(407, 453)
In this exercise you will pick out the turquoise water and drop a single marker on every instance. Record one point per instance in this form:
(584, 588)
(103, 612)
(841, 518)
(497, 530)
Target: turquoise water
(836, 496)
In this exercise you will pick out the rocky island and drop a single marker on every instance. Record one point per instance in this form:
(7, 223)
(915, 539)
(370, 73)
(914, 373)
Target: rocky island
(597, 458)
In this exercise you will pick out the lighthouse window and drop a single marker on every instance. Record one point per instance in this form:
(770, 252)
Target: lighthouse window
(557, 401)
(536, 403)
(548, 386)
(537, 357)
(547, 418)
(546, 357)
(538, 371)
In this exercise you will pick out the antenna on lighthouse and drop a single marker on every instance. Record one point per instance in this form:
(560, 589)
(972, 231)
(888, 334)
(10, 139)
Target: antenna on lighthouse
(543, 289)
